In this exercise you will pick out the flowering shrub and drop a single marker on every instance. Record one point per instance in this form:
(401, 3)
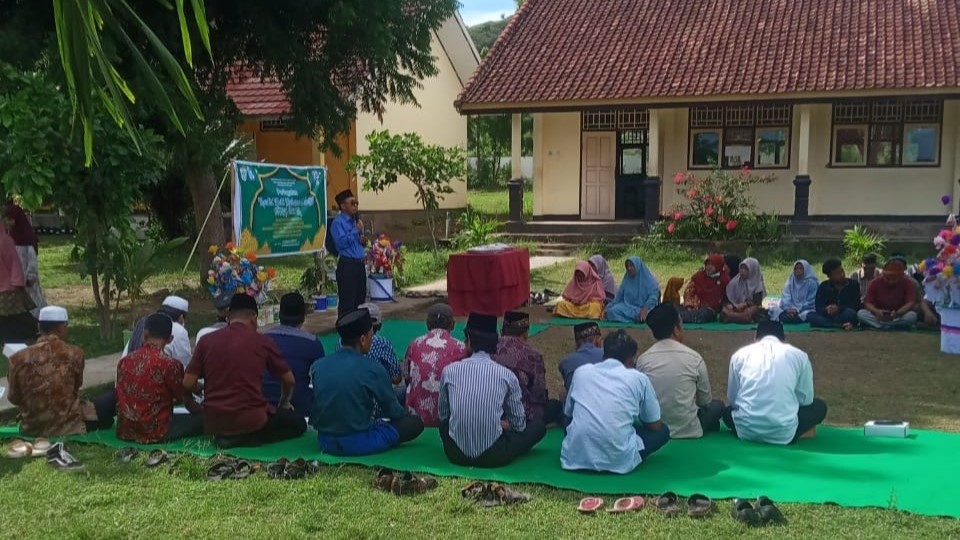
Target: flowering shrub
(718, 207)
(384, 257)
(233, 272)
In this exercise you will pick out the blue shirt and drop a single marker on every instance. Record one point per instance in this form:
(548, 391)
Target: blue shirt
(588, 353)
(300, 349)
(346, 237)
(607, 402)
(346, 386)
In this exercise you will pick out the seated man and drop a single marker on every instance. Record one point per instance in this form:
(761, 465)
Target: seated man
(679, 377)
(45, 380)
(149, 383)
(892, 299)
(589, 351)
(382, 351)
(515, 354)
(770, 389)
(346, 387)
(615, 416)
(426, 358)
(299, 348)
(231, 362)
(482, 422)
(865, 274)
(176, 308)
(838, 299)
(222, 305)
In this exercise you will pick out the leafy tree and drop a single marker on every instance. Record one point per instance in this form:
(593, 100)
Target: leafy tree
(430, 168)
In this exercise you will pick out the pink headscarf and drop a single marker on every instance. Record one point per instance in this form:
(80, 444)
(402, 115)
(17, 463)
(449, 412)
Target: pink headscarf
(586, 289)
(11, 272)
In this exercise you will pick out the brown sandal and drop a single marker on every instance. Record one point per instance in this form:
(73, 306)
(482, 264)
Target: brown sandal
(668, 504)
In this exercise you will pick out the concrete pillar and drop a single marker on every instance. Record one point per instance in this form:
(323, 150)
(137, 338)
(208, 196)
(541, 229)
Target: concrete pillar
(515, 190)
(801, 197)
(516, 136)
(651, 184)
(538, 150)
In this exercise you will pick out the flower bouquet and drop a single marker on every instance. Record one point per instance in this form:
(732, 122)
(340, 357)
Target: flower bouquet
(233, 272)
(384, 257)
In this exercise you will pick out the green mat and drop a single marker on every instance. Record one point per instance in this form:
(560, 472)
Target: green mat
(839, 466)
(714, 326)
(401, 332)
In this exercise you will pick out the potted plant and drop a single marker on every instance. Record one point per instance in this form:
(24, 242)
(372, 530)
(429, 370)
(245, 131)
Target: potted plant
(312, 284)
(329, 264)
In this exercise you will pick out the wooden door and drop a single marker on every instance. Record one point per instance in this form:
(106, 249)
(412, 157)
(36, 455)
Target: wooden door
(597, 176)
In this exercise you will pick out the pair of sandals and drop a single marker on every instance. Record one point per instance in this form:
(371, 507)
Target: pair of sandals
(489, 494)
(154, 458)
(284, 469)
(402, 483)
(757, 513)
(232, 469)
(18, 448)
(591, 505)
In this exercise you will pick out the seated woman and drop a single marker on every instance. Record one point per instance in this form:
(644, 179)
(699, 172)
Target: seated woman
(639, 293)
(704, 296)
(799, 295)
(606, 276)
(745, 294)
(583, 297)
(671, 291)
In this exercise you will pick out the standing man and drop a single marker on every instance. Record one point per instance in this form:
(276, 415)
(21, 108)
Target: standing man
(347, 231)
(770, 388)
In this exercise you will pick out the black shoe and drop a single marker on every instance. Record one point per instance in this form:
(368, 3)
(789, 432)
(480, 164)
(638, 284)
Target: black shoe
(60, 459)
(769, 513)
(744, 512)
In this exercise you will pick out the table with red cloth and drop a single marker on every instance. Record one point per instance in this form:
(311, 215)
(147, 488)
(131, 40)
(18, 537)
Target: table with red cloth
(490, 283)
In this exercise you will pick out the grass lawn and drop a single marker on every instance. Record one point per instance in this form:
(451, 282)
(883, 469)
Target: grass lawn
(496, 204)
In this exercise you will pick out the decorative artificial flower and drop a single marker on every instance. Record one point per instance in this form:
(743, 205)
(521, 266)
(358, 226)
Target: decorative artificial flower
(692, 193)
(939, 242)
(677, 215)
(946, 199)
(671, 228)
(230, 246)
(251, 256)
(271, 272)
(678, 178)
(947, 271)
(732, 224)
(955, 239)
(213, 250)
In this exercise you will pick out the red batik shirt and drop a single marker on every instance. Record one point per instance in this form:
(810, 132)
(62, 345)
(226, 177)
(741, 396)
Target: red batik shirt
(148, 384)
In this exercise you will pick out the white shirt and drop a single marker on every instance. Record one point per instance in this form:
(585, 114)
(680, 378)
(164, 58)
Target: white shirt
(769, 381)
(178, 349)
(209, 329)
(606, 402)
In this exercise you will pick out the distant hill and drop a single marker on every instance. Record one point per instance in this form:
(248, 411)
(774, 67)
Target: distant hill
(484, 34)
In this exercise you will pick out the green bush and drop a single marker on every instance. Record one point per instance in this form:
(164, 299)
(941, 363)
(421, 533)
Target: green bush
(858, 241)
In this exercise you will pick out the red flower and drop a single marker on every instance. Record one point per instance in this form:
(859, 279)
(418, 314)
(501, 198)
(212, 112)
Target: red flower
(710, 210)
(731, 225)
(671, 228)
(678, 178)
(745, 171)
(718, 199)
(677, 215)
(692, 193)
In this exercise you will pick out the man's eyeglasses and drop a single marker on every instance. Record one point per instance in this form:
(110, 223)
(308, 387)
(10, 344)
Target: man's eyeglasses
(351, 202)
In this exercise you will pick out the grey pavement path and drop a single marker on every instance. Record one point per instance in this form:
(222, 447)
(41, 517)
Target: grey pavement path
(439, 288)
(103, 370)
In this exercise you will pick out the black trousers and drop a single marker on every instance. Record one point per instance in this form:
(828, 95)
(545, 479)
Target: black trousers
(553, 412)
(281, 425)
(106, 406)
(510, 446)
(409, 427)
(710, 416)
(183, 426)
(808, 417)
(351, 284)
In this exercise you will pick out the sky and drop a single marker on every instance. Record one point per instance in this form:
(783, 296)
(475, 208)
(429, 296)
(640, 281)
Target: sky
(478, 11)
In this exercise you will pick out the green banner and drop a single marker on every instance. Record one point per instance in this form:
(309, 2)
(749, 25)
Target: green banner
(279, 209)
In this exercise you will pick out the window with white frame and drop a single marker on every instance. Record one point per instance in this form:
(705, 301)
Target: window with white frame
(895, 132)
(735, 136)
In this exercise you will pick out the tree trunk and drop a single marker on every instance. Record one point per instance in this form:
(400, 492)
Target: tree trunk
(203, 191)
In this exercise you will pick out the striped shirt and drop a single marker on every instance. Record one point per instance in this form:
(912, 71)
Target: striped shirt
(475, 393)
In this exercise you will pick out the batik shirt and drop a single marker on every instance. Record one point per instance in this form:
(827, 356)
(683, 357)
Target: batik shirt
(45, 381)
(148, 384)
(526, 363)
(425, 359)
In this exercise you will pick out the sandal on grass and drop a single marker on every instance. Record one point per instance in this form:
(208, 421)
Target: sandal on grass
(744, 512)
(156, 457)
(627, 504)
(410, 484)
(499, 494)
(126, 454)
(668, 504)
(769, 513)
(589, 505)
(221, 469)
(275, 470)
(383, 479)
(242, 469)
(295, 470)
(699, 505)
(19, 448)
(40, 447)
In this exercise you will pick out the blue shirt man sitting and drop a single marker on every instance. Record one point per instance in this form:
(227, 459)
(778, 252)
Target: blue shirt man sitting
(589, 351)
(299, 348)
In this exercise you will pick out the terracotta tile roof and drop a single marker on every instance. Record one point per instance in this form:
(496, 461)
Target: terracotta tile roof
(555, 51)
(255, 97)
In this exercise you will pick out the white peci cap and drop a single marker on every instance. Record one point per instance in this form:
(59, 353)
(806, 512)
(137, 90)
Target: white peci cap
(53, 314)
(177, 303)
